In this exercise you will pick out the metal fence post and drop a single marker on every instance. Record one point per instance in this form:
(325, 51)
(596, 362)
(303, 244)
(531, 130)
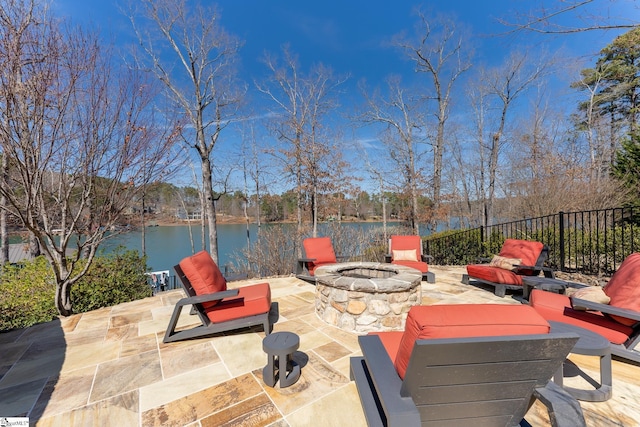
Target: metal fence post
(561, 226)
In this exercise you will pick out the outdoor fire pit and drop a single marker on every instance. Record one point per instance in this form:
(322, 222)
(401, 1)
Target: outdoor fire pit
(366, 296)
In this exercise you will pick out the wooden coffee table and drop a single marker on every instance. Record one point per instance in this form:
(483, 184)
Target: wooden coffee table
(589, 344)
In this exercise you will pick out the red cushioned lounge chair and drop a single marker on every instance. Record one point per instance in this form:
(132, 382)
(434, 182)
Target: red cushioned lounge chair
(618, 321)
(531, 256)
(318, 252)
(219, 309)
(463, 365)
(407, 251)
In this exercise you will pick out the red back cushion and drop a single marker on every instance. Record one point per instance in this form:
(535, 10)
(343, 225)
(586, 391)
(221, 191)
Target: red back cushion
(406, 242)
(204, 275)
(526, 250)
(319, 248)
(624, 287)
(466, 320)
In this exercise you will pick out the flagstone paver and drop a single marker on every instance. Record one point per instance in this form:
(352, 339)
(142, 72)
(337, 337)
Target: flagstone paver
(109, 367)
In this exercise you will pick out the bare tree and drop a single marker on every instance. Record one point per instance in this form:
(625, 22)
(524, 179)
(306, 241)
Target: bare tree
(303, 101)
(440, 54)
(402, 121)
(596, 123)
(549, 19)
(193, 56)
(549, 165)
(78, 135)
(500, 88)
(377, 173)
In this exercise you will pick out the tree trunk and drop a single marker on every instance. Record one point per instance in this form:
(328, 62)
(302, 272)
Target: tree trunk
(314, 210)
(142, 228)
(34, 246)
(438, 152)
(4, 232)
(63, 298)
(210, 206)
(4, 235)
(299, 202)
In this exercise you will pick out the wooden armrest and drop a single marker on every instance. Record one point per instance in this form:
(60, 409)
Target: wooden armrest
(216, 296)
(387, 383)
(527, 267)
(563, 409)
(424, 258)
(548, 272)
(306, 259)
(576, 285)
(605, 308)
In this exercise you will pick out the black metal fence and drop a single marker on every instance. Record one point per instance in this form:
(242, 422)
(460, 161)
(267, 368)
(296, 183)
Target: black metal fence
(591, 242)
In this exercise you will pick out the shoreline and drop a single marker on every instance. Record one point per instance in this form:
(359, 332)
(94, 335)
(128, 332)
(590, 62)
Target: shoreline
(223, 219)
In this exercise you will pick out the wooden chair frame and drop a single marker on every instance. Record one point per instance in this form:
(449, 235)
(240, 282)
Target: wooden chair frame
(501, 288)
(481, 381)
(207, 327)
(627, 350)
(429, 277)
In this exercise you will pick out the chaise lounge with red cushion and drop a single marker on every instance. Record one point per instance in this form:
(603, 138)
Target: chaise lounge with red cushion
(318, 252)
(517, 258)
(618, 320)
(219, 309)
(464, 365)
(407, 251)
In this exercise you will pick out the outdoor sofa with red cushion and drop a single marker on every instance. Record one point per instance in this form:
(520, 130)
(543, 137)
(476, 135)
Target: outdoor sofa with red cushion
(219, 309)
(462, 364)
(528, 259)
(618, 321)
(407, 251)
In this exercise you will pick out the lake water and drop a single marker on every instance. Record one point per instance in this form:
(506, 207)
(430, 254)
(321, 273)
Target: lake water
(167, 245)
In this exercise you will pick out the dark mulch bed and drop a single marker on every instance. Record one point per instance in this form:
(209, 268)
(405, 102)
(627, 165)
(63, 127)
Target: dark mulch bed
(582, 278)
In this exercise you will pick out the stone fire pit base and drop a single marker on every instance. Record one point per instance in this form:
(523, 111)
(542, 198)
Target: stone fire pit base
(364, 296)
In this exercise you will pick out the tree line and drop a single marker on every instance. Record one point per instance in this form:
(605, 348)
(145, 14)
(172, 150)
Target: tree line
(87, 132)
(168, 201)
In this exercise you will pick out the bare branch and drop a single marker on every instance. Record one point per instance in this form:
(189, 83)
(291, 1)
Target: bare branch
(545, 21)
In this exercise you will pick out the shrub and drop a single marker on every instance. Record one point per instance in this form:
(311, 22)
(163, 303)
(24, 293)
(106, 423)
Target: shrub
(112, 279)
(271, 255)
(454, 247)
(27, 293)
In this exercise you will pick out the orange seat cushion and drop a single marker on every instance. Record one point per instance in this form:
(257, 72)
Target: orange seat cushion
(250, 301)
(493, 274)
(418, 265)
(465, 320)
(204, 275)
(624, 288)
(557, 307)
(321, 250)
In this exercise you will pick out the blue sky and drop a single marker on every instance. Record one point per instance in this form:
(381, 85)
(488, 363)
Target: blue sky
(352, 36)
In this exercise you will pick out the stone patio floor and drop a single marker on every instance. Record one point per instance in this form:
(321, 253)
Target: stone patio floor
(109, 367)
